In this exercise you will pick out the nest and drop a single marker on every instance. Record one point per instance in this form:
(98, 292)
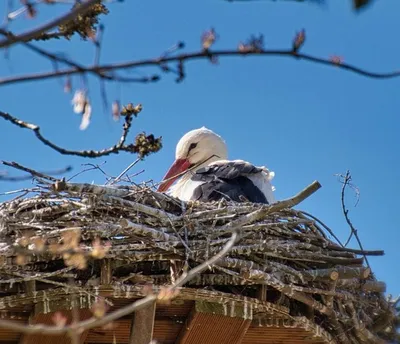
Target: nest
(280, 255)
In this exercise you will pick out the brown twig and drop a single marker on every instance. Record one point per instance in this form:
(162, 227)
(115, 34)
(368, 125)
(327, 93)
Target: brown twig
(5, 177)
(120, 146)
(185, 57)
(57, 58)
(357, 4)
(345, 180)
(29, 170)
(90, 168)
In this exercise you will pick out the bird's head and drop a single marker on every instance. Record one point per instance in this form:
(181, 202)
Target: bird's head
(195, 148)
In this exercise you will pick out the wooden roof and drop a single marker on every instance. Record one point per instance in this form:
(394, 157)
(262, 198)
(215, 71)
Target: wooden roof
(195, 316)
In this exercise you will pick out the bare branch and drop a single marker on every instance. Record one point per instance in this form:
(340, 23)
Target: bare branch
(143, 146)
(185, 57)
(345, 180)
(4, 177)
(57, 58)
(124, 171)
(357, 4)
(29, 170)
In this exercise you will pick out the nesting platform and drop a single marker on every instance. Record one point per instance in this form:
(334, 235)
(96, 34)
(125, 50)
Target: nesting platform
(78, 251)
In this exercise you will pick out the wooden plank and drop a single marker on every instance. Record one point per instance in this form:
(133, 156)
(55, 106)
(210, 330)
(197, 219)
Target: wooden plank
(262, 292)
(142, 325)
(213, 323)
(105, 271)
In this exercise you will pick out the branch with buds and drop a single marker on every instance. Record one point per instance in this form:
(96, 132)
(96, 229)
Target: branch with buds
(253, 47)
(142, 146)
(81, 19)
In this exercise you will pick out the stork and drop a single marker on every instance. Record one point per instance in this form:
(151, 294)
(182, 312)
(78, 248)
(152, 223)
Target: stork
(205, 174)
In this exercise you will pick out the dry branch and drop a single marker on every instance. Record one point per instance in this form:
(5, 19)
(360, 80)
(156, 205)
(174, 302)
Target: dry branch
(5, 177)
(31, 34)
(141, 147)
(186, 57)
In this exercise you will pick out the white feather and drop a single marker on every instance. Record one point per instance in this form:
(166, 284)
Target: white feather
(212, 145)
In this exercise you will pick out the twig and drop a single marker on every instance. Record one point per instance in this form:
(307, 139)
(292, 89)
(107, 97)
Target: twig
(29, 170)
(56, 58)
(25, 191)
(345, 182)
(22, 178)
(120, 146)
(92, 167)
(185, 57)
(124, 171)
(357, 4)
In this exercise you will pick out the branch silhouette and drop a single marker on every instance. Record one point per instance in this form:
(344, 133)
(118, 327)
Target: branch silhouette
(345, 179)
(186, 57)
(6, 178)
(143, 146)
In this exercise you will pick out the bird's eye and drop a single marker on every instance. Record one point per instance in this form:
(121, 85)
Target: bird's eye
(192, 146)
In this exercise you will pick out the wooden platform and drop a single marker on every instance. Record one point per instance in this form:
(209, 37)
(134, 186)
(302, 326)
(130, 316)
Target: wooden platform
(196, 316)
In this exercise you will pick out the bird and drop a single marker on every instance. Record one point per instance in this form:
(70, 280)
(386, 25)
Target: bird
(203, 173)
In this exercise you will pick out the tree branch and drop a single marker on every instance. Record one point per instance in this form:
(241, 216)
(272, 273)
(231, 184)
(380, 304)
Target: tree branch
(345, 180)
(31, 34)
(185, 57)
(56, 58)
(6, 178)
(29, 170)
(120, 146)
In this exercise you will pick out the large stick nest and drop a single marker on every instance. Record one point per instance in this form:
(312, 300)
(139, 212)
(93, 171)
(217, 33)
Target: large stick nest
(283, 253)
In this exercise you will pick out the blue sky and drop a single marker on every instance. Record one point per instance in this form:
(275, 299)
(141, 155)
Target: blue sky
(304, 121)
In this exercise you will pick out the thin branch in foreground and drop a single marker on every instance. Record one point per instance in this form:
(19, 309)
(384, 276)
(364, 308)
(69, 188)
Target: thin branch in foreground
(357, 4)
(31, 34)
(200, 55)
(29, 170)
(165, 292)
(61, 59)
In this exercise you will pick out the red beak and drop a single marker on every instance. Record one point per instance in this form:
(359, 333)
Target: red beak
(179, 166)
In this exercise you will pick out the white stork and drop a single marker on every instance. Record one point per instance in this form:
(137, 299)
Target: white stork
(206, 175)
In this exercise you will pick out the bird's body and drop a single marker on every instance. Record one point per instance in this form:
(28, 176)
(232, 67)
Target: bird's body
(208, 176)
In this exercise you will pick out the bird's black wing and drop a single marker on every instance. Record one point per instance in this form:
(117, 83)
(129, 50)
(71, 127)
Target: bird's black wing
(227, 181)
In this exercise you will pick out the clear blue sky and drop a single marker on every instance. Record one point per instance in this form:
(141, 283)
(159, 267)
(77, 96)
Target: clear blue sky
(304, 121)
